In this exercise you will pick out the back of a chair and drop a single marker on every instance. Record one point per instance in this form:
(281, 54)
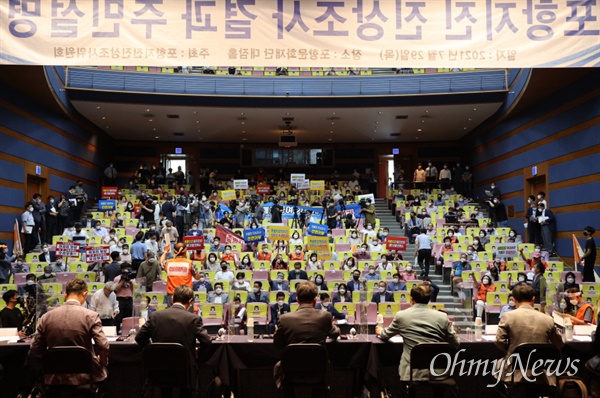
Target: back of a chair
(305, 363)
(167, 365)
(67, 360)
(532, 354)
(422, 354)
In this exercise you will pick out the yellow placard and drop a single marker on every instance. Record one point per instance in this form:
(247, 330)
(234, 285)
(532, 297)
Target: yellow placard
(279, 232)
(318, 243)
(228, 194)
(323, 254)
(317, 185)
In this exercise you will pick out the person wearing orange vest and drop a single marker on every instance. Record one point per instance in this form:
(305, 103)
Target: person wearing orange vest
(180, 270)
(584, 312)
(483, 288)
(265, 254)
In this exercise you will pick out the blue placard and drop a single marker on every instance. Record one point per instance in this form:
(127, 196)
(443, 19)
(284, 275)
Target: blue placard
(315, 229)
(106, 205)
(254, 235)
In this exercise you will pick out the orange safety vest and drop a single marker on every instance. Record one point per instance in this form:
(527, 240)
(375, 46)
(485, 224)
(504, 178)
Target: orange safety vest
(581, 312)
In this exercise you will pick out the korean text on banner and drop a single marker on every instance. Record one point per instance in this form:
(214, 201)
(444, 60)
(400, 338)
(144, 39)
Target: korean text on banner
(227, 236)
(228, 194)
(395, 243)
(279, 232)
(303, 185)
(254, 235)
(320, 243)
(315, 229)
(110, 192)
(67, 249)
(106, 205)
(97, 253)
(317, 185)
(297, 177)
(323, 254)
(240, 184)
(263, 189)
(504, 250)
(194, 242)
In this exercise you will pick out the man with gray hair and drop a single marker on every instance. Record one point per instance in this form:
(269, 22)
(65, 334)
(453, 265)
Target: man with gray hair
(105, 303)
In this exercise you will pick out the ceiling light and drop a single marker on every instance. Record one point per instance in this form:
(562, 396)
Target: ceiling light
(464, 128)
(419, 130)
(474, 109)
(426, 111)
(243, 122)
(195, 112)
(244, 139)
(243, 131)
(107, 127)
(242, 113)
(422, 121)
(154, 129)
(329, 139)
(103, 117)
(149, 120)
(148, 110)
(197, 121)
(157, 137)
(333, 113)
(98, 107)
(330, 131)
(379, 113)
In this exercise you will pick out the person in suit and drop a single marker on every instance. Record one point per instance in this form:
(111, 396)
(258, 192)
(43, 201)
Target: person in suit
(176, 325)
(305, 325)
(523, 325)
(297, 272)
(277, 309)
(382, 295)
(293, 295)
(548, 227)
(73, 325)
(343, 296)
(218, 296)
(280, 283)
(419, 324)
(258, 295)
(355, 283)
(46, 256)
(326, 305)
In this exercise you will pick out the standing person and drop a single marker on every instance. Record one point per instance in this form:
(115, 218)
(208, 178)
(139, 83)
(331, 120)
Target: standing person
(431, 173)
(419, 177)
(124, 292)
(531, 219)
(498, 211)
(305, 325)
(28, 227)
(138, 251)
(457, 173)
(419, 324)
(548, 226)
(51, 227)
(466, 184)
(589, 256)
(149, 269)
(369, 213)
(110, 175)
(177, 325)
(423, 247)
(73, 325)
(523, 325)
(180, 271)
(39, 216)
(445, 177)
(105, 303)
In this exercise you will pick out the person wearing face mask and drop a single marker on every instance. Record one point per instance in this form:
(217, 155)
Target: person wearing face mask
(149, 269)
(264, 254)
(483, 288)
(381, 295)
(224, 274)
(327, 305)
(382, 234)
(258, 295)
(279, 284)
(508, 307)
(458, 268)
(320, 282)
(297, 254)
(125, 253)
(27, 228)
(384, 264)
(512, 234)
(59, 266)
(218, 296)
(296, 240)
(241, 283)
(211, 263)
(498, 212)
(46, 256)
(398, 283)
(375, 246)
(202, 284)
(472, 253)
(278, 263)
(423, 247)
(372, 274)
(229, 255)
(313, 263)
(583, 311)
(362, 253)
(343, 294)
(297, 272)
(354, 238)
(73, 324)
(588, 259)
(409, 273)
(534, 231)
(180, 270)
(47, 273)
(246, 262)
(105, 303)
(412, 227)
(568, 284)
(535, 259)
(20, 267)
(277, 309)
(539, 285)
(355, 283)
(369, 213)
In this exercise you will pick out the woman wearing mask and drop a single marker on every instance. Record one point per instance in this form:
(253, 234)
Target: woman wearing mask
(241, 283)
(477, 245)
(483, 288)
(343, 296)
(296, 240)
(313, 264)
(245, 262)
(521, 279)
(349, 264)
(320, 282)
(512, 234)
(354, 238)
(409, 274)
(211, 263)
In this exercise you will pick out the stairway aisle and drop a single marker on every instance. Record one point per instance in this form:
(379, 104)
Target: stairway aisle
(462, 317)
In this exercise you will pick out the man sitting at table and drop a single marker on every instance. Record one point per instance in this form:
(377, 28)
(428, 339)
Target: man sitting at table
(73, 325)
(584, 312)
(419, 324)
(305, 325)
(326, 305)
(524, 325)
(277, 309)
(176, 325)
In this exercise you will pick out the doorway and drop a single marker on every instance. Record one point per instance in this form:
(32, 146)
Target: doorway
(536, 184)
(35, 185)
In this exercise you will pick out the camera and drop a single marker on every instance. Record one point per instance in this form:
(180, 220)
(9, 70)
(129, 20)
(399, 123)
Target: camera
(183, 201)
(127, 275)
(363, 204)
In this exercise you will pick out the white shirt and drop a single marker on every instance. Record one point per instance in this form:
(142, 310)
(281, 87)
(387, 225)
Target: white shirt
(152, 246)
(375, 248)
(224, 276)
(104, 306)
(100, 232)
(424, 241)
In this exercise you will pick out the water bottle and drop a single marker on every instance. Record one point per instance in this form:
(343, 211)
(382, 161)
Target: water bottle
(250, 329)
(568, 329)
(478, 329)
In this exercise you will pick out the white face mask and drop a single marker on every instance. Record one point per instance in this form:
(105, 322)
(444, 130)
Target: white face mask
(521, 279)
(342, 291)
(512, 234)
(409, 269)
(371, 271)
(45, 250)
(30, 282)
(256, 290)
(574, 302)
(318, 281)
(511, 303)
(227, 251)
(485, 281)
(280, 303)
(469, 252)
(298, 251)
(362, 249)
(570, 280)
(201, 280)
(265, 250)
(218, 290)
(396, 280)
